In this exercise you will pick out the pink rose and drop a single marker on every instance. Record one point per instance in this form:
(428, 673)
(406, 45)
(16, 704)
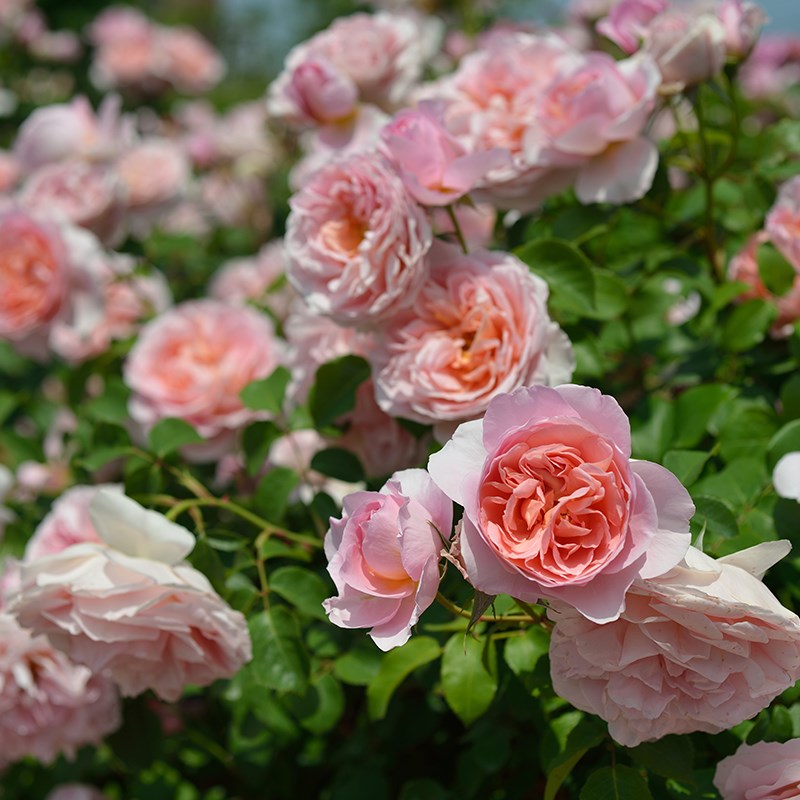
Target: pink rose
(132, 607)
(627, 22)
(688, 47)
(744, 267)
(742, 22)
(554, 506)
(478, 328)
(783, 221)
(592, 118)
(701, 648)
(62, 131)
(187, 61)
(67, 523)
(75, 791)
(192, 361)
(772, 68)
(314, 92)
(434, 166)
(9, 171)
(88, 195)
(383, 556)
(762, 771)
(48, 705)
(355, 241)
(117, 23)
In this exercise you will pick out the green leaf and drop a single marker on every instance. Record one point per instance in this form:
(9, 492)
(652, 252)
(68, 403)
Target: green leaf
(359, 666)
(790, 397)
(103, 455)
(610, 295)
(302, 588)
(670, 757)
(616, 783)
(338, 463)
(686, 465)
(205, 559)
(716, 516)
(776, 272)
(748, 325)
(582, 737)
(268, 393)
(257, 439)
(695, 412)
(786, 440)
(469, 676)
(279, 660)
(273, 491)
(322, 706)
(747, 431)
(8, 402)
(398, 665)
(566, 270)
(522, 653)
(112, 405)
(170, 434)
(334, 390)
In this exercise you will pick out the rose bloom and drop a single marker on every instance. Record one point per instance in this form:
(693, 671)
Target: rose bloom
(154, 173)
(478, 328)
(701, 648)
(192, 361)
(70, 130)
(772, 68)
(761, 771)
(383, 556)
(783, 221)
(9, 171)
(627, 22)
(742, 22)
(382, 54)
(688, 47)
(591, 122)
(67, 523)
(434, 166)
(355, 241)
(132, 607)
(744, 267)
(554, 507)
(491, 100)
(88, 195)
(187, 61)
(75, 791)
(48, 705)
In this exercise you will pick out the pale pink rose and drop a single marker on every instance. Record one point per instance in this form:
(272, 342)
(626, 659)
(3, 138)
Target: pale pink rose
(772, 68)
(491, 101)
(744, 267)
(192, 361)
(314, 92)
(627, 22)
(48, 705)
(61, 47)
(9, 171)
(554, 507)
(477, 224)
(688, 47)
(75, 791)
(478, 328)
(382, 54)
(73, 130)
(355, 241)
(117, 23)
(762, 771)
(592, 118)
(67, 523)
(35, 277)
(434, 166)
(786, 476)
(381, 443)
(154, 173)
(88, 195)
(132, 607)
(236, 201)
(10, 580)
(187, 61)
(259, 279)
(383, 556)
(742, 21)
(701, 648)
(589, 10)
(783, 221)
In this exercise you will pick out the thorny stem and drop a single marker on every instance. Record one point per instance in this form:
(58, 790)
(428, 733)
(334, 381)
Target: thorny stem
(452, 607)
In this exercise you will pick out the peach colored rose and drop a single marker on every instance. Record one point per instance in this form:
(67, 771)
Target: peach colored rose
(355, 241)
(744, 267)
(48, 705)
(762, 771)
(554, 507)
(700, 648)
(192, 361)
(132, 607)
(783, 221)
(478, 328)
(88, 195)
(383, 556)
(67, 523)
